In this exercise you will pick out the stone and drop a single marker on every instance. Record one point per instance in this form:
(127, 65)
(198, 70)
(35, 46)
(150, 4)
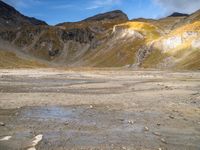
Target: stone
(172, 117)
(131, 122)
(2, 124)
(157, 133)
(163, 140)
(146, 129)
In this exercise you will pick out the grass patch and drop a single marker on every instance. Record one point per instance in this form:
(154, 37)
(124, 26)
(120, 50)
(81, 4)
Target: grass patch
(10, 60)
(154, 59)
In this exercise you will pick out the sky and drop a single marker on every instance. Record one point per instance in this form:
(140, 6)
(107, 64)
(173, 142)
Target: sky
(58, 11)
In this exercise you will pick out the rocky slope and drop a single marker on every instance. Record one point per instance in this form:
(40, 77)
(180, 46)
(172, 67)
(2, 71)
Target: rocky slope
(108, 40)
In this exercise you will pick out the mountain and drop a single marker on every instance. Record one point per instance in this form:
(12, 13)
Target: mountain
(11, 18)
(107, 40)
(177, 14)
(116, 14)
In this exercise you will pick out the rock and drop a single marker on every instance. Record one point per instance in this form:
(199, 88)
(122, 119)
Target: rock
(158, 124)
(175, 110)
(91, 106)
(124, 148)
(35, 141)
(131, 122)
(2, 124)
(172, 43)
(163, 140)
(159, 148)
(196, 43)
(121, 119)
(185, 119)
(157, 133)
(172, 117)
(195, 93)
(146, 129)
(66, 123)
(6, 138)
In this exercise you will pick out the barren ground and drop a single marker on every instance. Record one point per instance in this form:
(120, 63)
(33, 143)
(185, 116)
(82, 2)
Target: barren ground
(99, 109)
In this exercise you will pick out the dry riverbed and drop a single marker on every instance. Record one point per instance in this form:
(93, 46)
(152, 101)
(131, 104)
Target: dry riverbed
(47, 109)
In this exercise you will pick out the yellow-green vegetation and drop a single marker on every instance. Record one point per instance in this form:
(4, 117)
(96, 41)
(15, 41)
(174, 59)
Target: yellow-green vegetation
(11, 60)
(187, 28)
(168, 24)
(190, 61)
(150, 31)
(106, 24)
(184, 56)
(118, 55)
(154, 59)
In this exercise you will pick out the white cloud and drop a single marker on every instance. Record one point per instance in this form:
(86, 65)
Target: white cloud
(183, 6)
(103, 3)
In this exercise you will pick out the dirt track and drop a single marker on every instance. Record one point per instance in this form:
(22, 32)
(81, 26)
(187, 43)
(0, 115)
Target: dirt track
(100, 109)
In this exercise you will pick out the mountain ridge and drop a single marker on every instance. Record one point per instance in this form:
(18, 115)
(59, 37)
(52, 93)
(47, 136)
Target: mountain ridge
(10, 17)
(111, 40)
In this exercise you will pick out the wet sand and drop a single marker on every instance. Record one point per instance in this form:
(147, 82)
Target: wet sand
(99, 109)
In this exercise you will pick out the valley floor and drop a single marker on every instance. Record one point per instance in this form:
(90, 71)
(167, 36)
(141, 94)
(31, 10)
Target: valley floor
(99, 109)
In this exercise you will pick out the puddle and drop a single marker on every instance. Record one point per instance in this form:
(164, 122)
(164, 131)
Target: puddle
(50, 113)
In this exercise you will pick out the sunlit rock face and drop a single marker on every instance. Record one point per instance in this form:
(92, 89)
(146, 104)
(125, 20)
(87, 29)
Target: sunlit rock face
(196, 43)
(175, 41)
(190, 34)
(172, 43)
(120, 32)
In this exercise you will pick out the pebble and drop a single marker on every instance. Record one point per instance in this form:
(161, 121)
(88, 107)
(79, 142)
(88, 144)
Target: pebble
(131, 122)
(158, 124)
(35, 141)
(175, 110)
(2, 124)
(163, 140)
(172, 117)
(159, 148)
(121, 119)
(146, 129)
(157, 133)
(6, 138)
(91, 106)
(195, 93)
(66, 123)
(123, 147)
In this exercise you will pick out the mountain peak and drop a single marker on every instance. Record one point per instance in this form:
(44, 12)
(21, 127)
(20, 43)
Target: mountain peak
(177, 14)
(116, 14)
(10, 17)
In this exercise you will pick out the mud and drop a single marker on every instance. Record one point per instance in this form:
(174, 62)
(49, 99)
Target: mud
(100, 109)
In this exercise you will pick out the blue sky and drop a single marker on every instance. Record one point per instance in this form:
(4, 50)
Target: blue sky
(57, 11)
